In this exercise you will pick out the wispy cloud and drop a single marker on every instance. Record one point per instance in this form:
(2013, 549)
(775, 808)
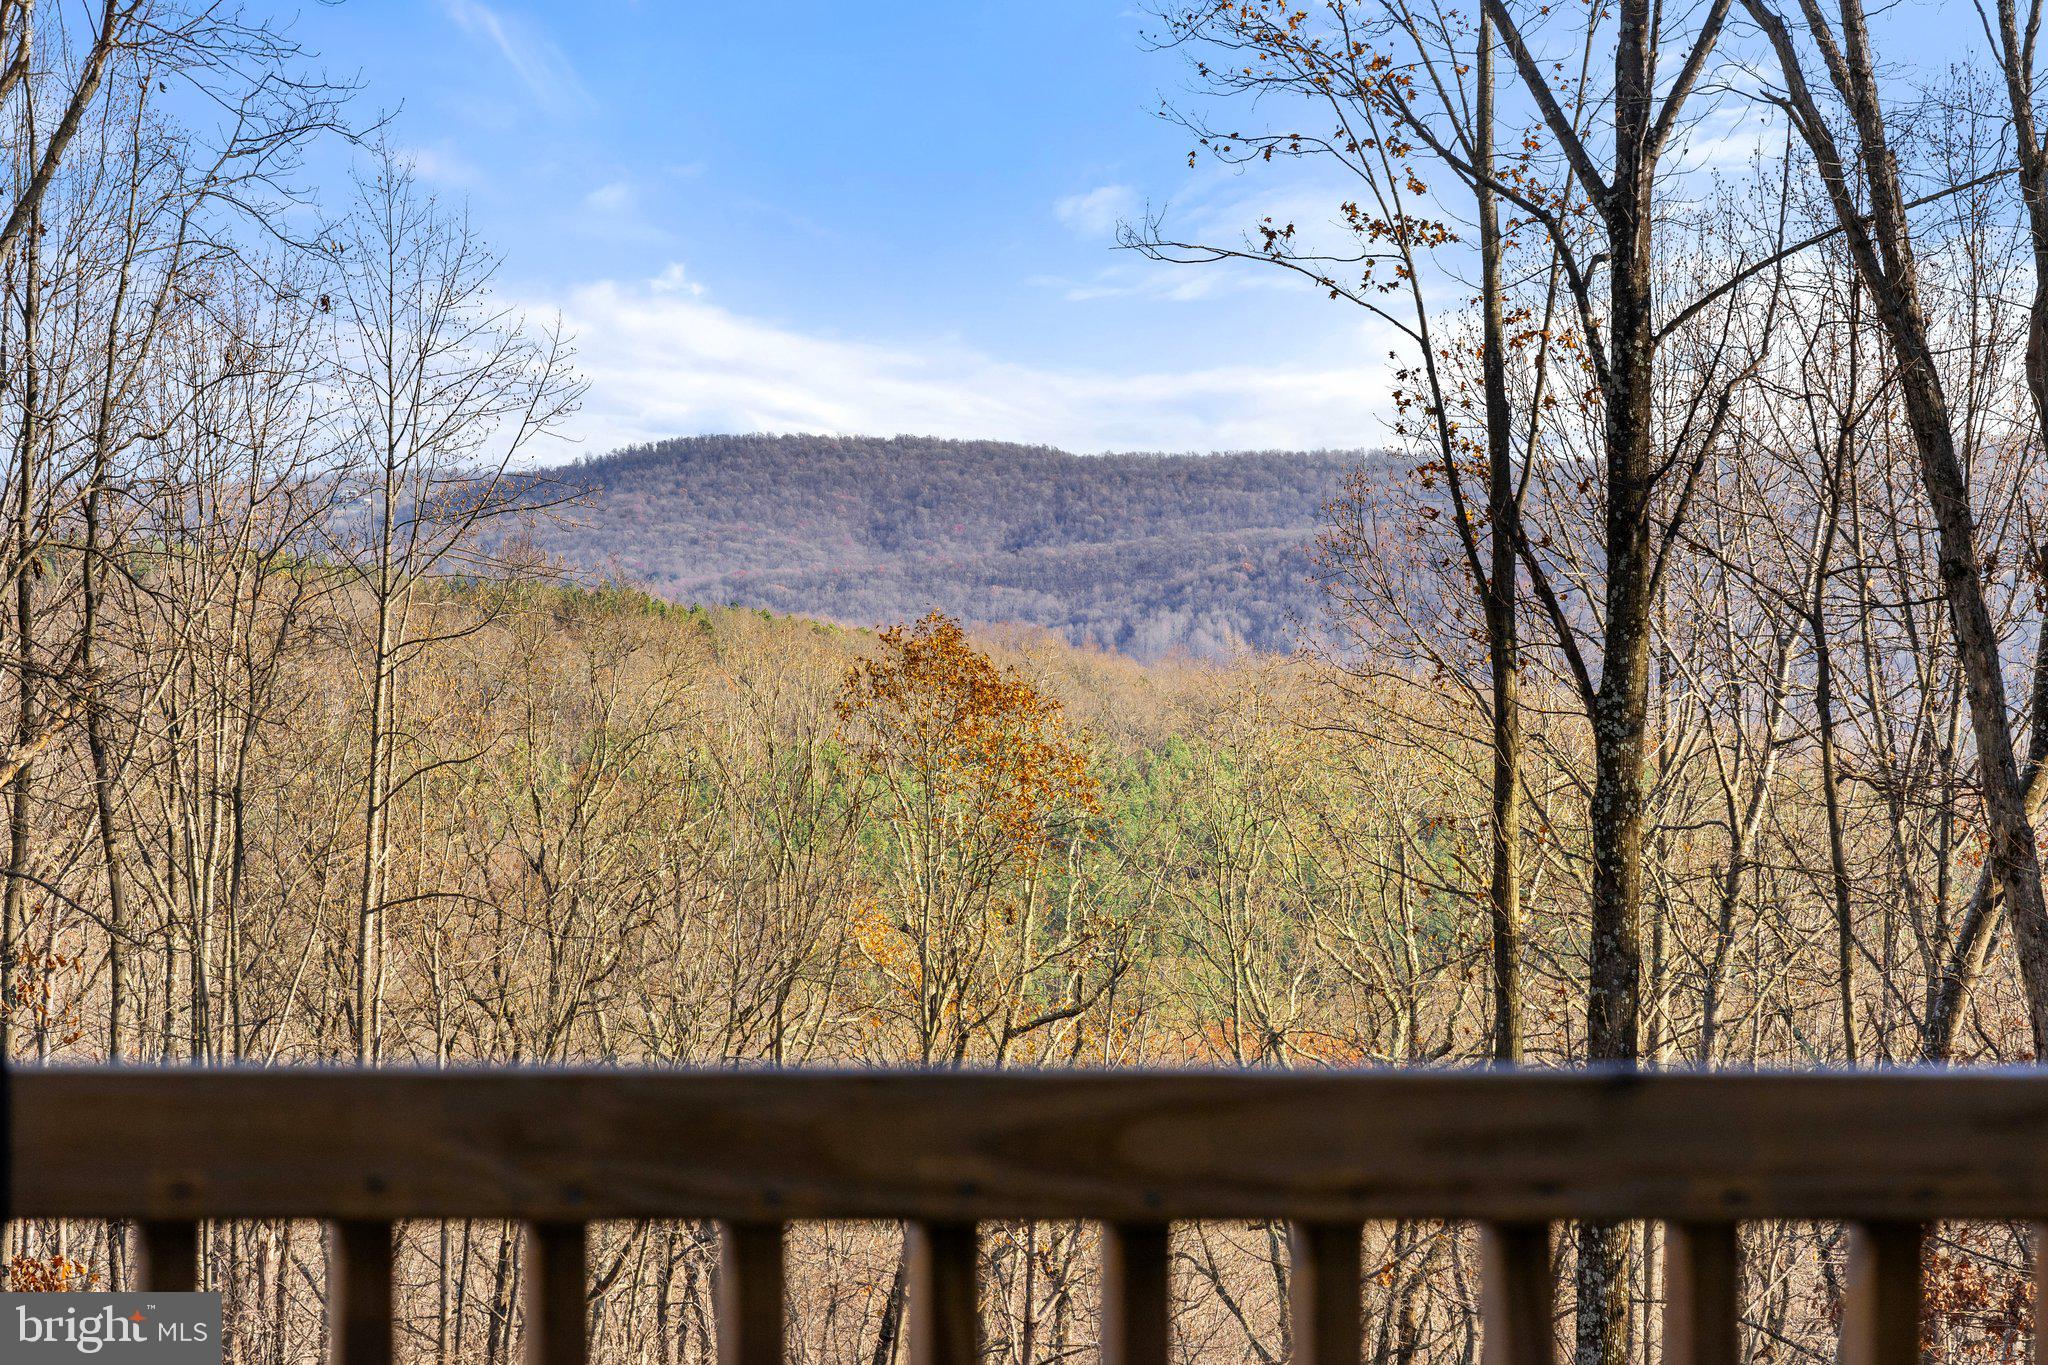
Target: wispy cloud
(539, 64)
(1728, 136)
(442, 165)
(1096, 212)
(617, 212)
(1143, 279)
(617, 196)
(674, 279)
(663, 362)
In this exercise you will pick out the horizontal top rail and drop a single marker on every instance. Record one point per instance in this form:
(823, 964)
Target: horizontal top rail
(1144, 1146)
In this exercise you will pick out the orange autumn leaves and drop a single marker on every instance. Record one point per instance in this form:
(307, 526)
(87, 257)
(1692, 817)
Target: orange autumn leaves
(53, 1274)
(974, 780)
(963, 741)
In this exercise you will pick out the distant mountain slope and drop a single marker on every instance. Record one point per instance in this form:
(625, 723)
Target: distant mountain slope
(1147, 554)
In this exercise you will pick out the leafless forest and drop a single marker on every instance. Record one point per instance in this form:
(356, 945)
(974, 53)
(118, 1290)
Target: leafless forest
(1676, 698)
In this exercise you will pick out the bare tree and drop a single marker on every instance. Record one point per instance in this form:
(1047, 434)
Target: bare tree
(1880, 242)
(443, 390)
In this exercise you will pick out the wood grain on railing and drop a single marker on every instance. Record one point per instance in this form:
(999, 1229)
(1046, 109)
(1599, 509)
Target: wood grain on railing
(1328, 1147)
(1519, 1153)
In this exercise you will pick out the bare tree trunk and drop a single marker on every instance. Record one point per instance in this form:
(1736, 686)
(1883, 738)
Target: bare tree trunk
(1621, 707)
(1971, 950)
(12, 924)
(1830, 781)
(1618, 707)
(370, 886)
(892, 1311)
(1503, 645)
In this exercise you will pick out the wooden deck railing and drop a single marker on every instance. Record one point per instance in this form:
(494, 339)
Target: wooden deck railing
(1515, 1153)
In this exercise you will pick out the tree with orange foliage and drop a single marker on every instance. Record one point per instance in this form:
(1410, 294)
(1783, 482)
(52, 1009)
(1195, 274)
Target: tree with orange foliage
(980, 790)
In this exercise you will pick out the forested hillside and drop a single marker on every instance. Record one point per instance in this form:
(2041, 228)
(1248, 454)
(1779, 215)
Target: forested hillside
(1147, 554)
(632, 833)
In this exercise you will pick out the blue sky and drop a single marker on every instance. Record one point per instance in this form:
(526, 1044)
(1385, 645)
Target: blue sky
(810, 215)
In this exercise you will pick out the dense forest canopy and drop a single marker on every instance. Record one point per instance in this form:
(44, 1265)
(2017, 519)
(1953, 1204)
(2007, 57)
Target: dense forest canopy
(1146, 554)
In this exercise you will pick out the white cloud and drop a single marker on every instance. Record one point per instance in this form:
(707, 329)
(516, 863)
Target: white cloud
(1098, 211)
(616, 212)
(1145, 279)
(441, 165)
(539, 64)
(618, 197)
(675, 280)
(663, 362)
(1728, 136)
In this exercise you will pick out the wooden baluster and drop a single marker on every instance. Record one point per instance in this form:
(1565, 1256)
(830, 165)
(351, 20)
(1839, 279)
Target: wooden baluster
(557, 1293)
(1515, 1294)
(359, 1294)
(750, 1306)
(2040, 1240)
(1702, 1293)
(1323, 1292)
(1136, 1310)
(945, 1316)
(169, 1256)
(1881, 1301)
(6, 1126)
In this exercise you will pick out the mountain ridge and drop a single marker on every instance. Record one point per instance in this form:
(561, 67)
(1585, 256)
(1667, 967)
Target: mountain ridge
(1142, 553)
